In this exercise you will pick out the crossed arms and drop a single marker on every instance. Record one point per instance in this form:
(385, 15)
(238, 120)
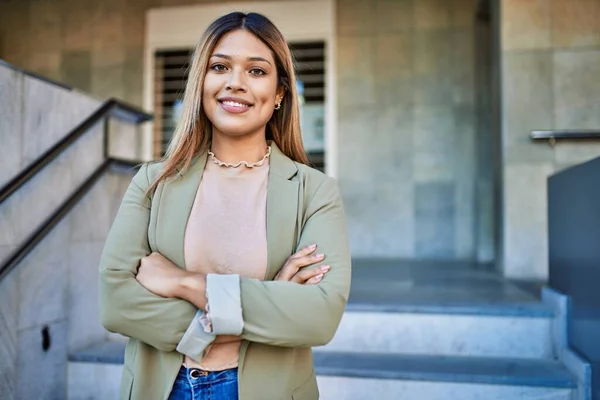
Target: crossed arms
(280, 313)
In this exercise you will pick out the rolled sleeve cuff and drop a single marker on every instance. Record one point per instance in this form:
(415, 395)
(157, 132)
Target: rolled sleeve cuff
(224, 304)
(195, 340)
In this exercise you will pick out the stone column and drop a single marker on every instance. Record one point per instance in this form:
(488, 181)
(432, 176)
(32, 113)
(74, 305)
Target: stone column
(550, 52)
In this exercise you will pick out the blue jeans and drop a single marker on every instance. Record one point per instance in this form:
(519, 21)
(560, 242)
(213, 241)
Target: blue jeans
(193, 384)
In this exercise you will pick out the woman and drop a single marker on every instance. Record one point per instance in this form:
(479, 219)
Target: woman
(215, 264)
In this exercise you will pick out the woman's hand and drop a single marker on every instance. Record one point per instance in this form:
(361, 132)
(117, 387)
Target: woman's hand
(159, 275)
(296, 267)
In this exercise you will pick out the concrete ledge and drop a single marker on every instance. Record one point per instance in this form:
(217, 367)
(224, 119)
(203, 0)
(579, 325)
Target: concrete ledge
(88, 380)
(577, 366)
(444, 334)
(509, 310)
(105, 352)
(479, 370)
(340, 388)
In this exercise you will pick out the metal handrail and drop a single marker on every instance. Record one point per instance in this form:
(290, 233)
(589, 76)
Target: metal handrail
(46, 227)
(565, 134)
(112, 107)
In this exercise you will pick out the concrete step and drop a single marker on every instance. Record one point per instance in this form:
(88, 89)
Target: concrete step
(449, 330)
(95, 373)
(349, 376)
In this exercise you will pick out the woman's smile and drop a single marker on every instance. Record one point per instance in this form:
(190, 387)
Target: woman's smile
(234, 105)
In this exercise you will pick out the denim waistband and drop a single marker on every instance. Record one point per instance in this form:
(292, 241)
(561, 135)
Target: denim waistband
(207, 376)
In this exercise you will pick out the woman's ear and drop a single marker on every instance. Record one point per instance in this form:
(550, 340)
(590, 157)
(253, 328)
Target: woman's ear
(280, 94)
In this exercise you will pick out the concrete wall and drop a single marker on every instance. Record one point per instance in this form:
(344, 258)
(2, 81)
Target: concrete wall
(95, 45)
(408, 141)
(407, 137)
(34, 115)
(56, 288)
(488, 129)
(550, 80)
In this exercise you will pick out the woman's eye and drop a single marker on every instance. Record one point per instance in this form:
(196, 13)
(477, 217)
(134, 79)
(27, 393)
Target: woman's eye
(218, 67)
(257, 71)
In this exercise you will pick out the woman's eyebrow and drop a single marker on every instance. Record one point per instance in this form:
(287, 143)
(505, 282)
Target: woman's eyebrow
(259, 59)
(225, 56)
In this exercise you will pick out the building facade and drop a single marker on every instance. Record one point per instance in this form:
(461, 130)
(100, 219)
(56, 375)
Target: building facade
(428, 104)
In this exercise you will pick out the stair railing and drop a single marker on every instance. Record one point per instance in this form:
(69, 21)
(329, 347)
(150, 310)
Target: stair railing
(111, 107)
(565, 134)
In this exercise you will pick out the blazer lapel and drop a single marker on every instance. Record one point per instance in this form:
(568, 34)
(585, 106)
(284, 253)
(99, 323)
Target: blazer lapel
(282, 211)
(177, 200)
(179, 194)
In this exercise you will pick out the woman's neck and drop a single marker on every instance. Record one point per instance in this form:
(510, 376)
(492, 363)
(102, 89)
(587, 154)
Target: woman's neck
(234, 150)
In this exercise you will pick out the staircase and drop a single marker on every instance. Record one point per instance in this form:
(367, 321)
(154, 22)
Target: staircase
(437, 331)
(412, 331)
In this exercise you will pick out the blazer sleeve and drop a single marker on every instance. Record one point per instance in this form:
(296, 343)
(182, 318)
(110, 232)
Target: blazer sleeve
(126, 307)
(289, 314)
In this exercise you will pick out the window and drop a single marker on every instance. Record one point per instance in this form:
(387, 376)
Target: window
(171, 72)
(310, 70)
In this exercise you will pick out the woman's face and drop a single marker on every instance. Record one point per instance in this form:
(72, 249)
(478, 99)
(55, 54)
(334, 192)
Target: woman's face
(240, 87)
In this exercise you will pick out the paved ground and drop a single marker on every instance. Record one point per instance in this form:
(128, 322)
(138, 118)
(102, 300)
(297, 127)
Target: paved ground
(398, 285)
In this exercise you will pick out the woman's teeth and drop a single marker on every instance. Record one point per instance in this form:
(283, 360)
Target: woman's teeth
(234, 104)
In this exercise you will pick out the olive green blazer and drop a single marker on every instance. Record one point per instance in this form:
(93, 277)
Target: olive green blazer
(282, 320)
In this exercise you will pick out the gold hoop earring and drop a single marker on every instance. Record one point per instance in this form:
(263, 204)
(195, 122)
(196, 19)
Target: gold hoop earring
(278, 106)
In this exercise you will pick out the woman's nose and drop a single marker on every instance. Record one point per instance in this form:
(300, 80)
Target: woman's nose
(236, 81)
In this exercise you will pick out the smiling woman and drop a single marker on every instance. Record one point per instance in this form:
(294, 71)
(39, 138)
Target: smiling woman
(241, 80)
(215, 264)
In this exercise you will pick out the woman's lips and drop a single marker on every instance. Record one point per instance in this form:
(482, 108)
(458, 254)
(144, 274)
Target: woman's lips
(234, 107)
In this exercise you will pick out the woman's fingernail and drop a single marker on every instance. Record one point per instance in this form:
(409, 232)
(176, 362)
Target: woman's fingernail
(325, 268)
(312, 246)
(320, 255)
(319, 277)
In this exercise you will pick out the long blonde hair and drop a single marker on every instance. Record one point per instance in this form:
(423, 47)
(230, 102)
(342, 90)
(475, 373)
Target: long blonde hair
(193, 132)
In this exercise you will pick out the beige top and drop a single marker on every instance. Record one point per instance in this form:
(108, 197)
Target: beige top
(226, 234)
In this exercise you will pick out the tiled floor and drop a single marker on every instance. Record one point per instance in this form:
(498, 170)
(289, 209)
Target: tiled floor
(397, 285)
